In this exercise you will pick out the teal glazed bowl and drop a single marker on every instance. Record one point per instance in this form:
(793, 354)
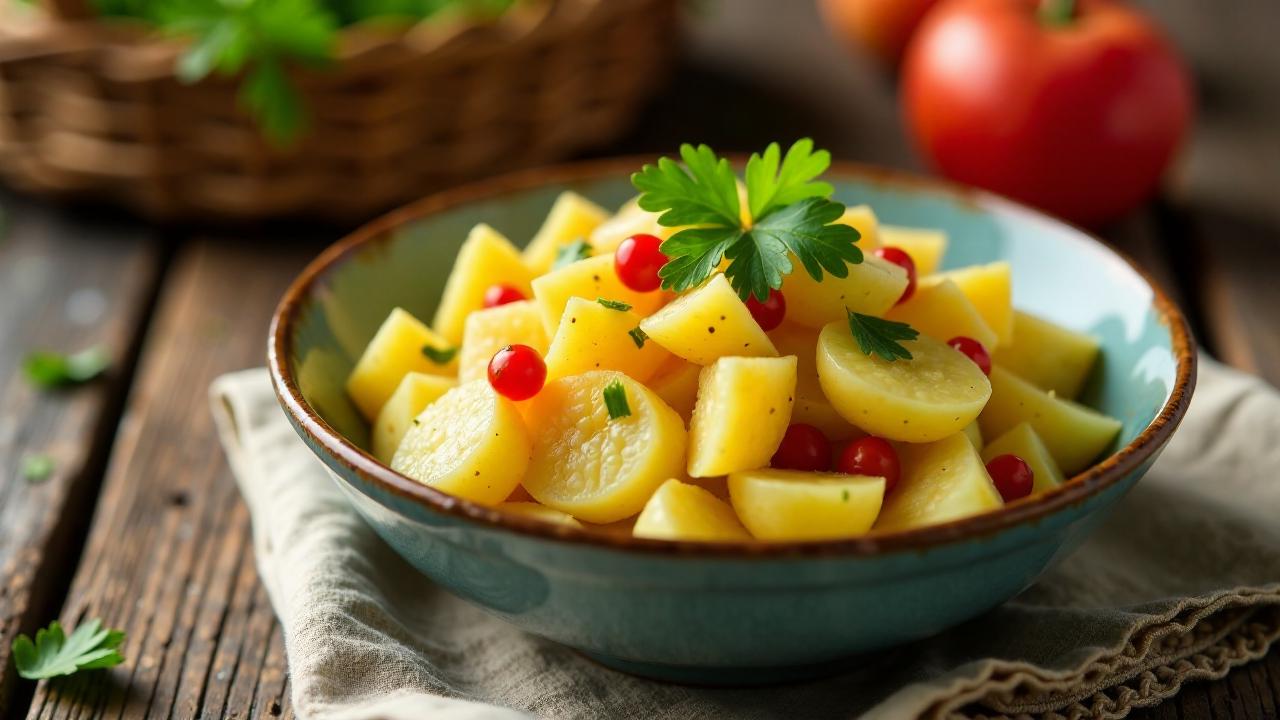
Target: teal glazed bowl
(745, 612)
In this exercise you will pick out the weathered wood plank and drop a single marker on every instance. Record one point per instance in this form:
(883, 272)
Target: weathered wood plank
(66, 284)
(169, 558)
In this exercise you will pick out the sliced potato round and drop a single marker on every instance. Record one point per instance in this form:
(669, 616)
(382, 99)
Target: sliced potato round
(935, 394)
(594, 467)
(795, 505)
(539, 512)
(470, 443)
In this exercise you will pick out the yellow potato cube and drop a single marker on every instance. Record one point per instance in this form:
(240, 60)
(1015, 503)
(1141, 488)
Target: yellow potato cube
(938, 309)
(1049, 356)
(927, 398)
(538, 512)
(811, 406)
(594, 337)
(707, 323)
(676, 382)
(990, 289)
(594, 467)
(588, 279)
(489, 330)
(941, 481)
(486, 258)
(471, 443)
(680, 511)
(394, 351)
(974, 433)
(1022, 440)
(630, 220)
(871, 288)
(1075, 435)
(863, 219)
(926, 247)
(743, 409)
(415, 393)
(572, 217)
(779, 505)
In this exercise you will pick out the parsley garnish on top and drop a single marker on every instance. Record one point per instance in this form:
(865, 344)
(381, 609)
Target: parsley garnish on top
(614, 304)
(439, 356)
(881, 337)
(789, 214)
(573, 252)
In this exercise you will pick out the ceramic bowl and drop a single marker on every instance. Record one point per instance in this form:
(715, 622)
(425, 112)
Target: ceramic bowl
(746, 612)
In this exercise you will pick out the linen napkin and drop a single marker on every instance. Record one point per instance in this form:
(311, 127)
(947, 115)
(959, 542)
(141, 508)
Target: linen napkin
(1181, 583)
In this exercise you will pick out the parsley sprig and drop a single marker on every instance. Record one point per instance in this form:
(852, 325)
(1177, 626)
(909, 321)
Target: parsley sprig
(52, 654)
(790, 214)
(877, 336)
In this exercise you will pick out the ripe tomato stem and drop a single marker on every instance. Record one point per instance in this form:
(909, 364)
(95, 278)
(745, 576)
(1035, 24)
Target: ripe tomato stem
(1057, 13)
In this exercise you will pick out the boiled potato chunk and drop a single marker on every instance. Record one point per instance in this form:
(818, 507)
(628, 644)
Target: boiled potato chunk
(680, 511)
(470, 443)
(415, 393)
(927, 398)
(538, 512)
(589, 279)
(595, 468)
(941, 481)
(1049, 356)
(486, 258)
(940, 310)
(676, 382)
(630, 220)
(707, 323)
(394, 351)
(572, 217)
(793, 505)
(594, 337)
(489, 330)
(926, 247)
(1022, 440)
(990, 289)
(743, 409)
(811, 406)
(1075, 435)
(871, 288)
(863, 219)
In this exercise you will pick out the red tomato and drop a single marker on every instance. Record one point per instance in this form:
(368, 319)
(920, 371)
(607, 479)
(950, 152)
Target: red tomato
(882, 27)
(1078, 116)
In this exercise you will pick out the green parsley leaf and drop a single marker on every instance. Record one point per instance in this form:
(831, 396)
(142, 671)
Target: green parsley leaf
(439, 356)
(37, 468)
(52, 370)
(638, 336)
(53, 653)
(804, 228)
(573, 252)
(877, 336)
(770, 187)
(693, 254)
(615, 400)
(614, 304)
(706, 194)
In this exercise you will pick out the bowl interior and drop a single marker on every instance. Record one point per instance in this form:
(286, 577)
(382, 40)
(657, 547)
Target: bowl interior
(1059, 273)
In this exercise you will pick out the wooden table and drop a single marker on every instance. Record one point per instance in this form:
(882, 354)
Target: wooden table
(141, 523)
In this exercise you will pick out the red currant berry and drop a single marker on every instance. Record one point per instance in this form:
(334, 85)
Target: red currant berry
(871, 456)
(517, 372)
(899, 257)
(974, 350)
(501, 294)
(1012, 476)
(637, 262)
(803, 447)
(768, 314)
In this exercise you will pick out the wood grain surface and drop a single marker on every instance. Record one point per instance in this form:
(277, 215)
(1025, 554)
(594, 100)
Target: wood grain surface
(168, 556)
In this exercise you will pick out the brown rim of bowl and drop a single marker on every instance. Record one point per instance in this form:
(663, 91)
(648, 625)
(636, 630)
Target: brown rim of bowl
(1074, 492)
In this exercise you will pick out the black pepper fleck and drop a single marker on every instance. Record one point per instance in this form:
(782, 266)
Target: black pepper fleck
(711, 330)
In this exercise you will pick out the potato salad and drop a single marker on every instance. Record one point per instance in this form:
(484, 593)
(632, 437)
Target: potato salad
(729, 359)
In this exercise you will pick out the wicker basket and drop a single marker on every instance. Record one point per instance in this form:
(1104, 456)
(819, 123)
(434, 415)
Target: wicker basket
(93, 109)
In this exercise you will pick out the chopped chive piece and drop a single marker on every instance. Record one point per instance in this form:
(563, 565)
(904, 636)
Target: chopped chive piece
(37, 468)
(51, 370)
(573, 252)
(615, 400)
(844, 495)
(439, 356)
(638, 336)
(614, 304)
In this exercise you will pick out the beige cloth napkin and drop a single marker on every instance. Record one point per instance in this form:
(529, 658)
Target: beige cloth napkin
(1181, 583)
